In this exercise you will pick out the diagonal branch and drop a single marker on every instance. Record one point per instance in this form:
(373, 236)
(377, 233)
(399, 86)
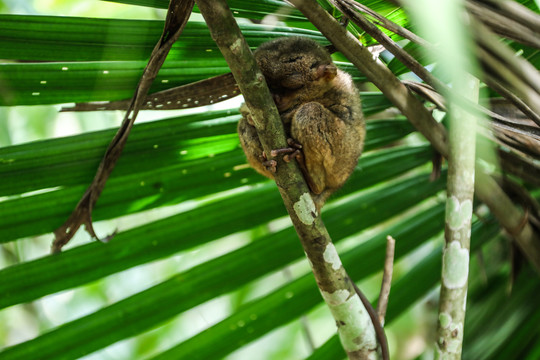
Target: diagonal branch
(177, 16)
(521, 25)
(504, 69)
(355, 326)
(385, 23)
(345, 6)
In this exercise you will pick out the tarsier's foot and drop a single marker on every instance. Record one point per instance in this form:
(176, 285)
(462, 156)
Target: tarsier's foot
(294, 152)
(270, 165)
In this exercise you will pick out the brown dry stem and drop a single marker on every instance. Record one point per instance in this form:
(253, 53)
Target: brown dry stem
(177, 16)
(386, 282)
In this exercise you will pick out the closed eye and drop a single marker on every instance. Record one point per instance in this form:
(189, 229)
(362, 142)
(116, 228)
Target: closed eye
(291, 60)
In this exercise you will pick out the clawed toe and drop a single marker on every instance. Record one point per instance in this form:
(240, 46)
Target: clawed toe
(277, 152)
(289, 153)
(293, 151)
(270, 165)
(296, 154)
(293, 143)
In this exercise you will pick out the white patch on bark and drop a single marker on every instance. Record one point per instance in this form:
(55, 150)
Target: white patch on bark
(454, 345)
(445, 319)
(236, 46)
(455, 266)
(458, 214)
(305, 209)
(331, 256)
(338, 297)
(353, 321)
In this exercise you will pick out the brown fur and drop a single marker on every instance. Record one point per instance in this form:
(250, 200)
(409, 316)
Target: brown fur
(320, 109)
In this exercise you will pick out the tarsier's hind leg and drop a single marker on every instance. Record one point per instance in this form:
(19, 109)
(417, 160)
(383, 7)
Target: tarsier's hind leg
(329, 146)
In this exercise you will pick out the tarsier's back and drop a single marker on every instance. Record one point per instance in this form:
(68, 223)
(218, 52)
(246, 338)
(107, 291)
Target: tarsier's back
(320, 109)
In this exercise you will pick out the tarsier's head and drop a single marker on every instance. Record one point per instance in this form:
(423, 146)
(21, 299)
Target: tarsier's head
(292, 64)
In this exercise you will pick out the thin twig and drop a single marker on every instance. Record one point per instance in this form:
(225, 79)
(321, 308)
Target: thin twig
(410, 62)
(387, 24)
(386, 283)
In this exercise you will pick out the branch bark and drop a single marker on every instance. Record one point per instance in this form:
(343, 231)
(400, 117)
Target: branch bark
(355, 326)
(422, 120)
(459, 206)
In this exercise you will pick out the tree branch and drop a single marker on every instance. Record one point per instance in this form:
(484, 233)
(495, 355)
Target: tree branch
(354, 323)
(457, 63)
(460, 190)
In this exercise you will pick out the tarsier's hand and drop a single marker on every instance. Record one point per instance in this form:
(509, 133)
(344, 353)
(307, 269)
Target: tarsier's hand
(320, 109)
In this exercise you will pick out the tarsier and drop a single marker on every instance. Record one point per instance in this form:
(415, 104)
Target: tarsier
(320, 109)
